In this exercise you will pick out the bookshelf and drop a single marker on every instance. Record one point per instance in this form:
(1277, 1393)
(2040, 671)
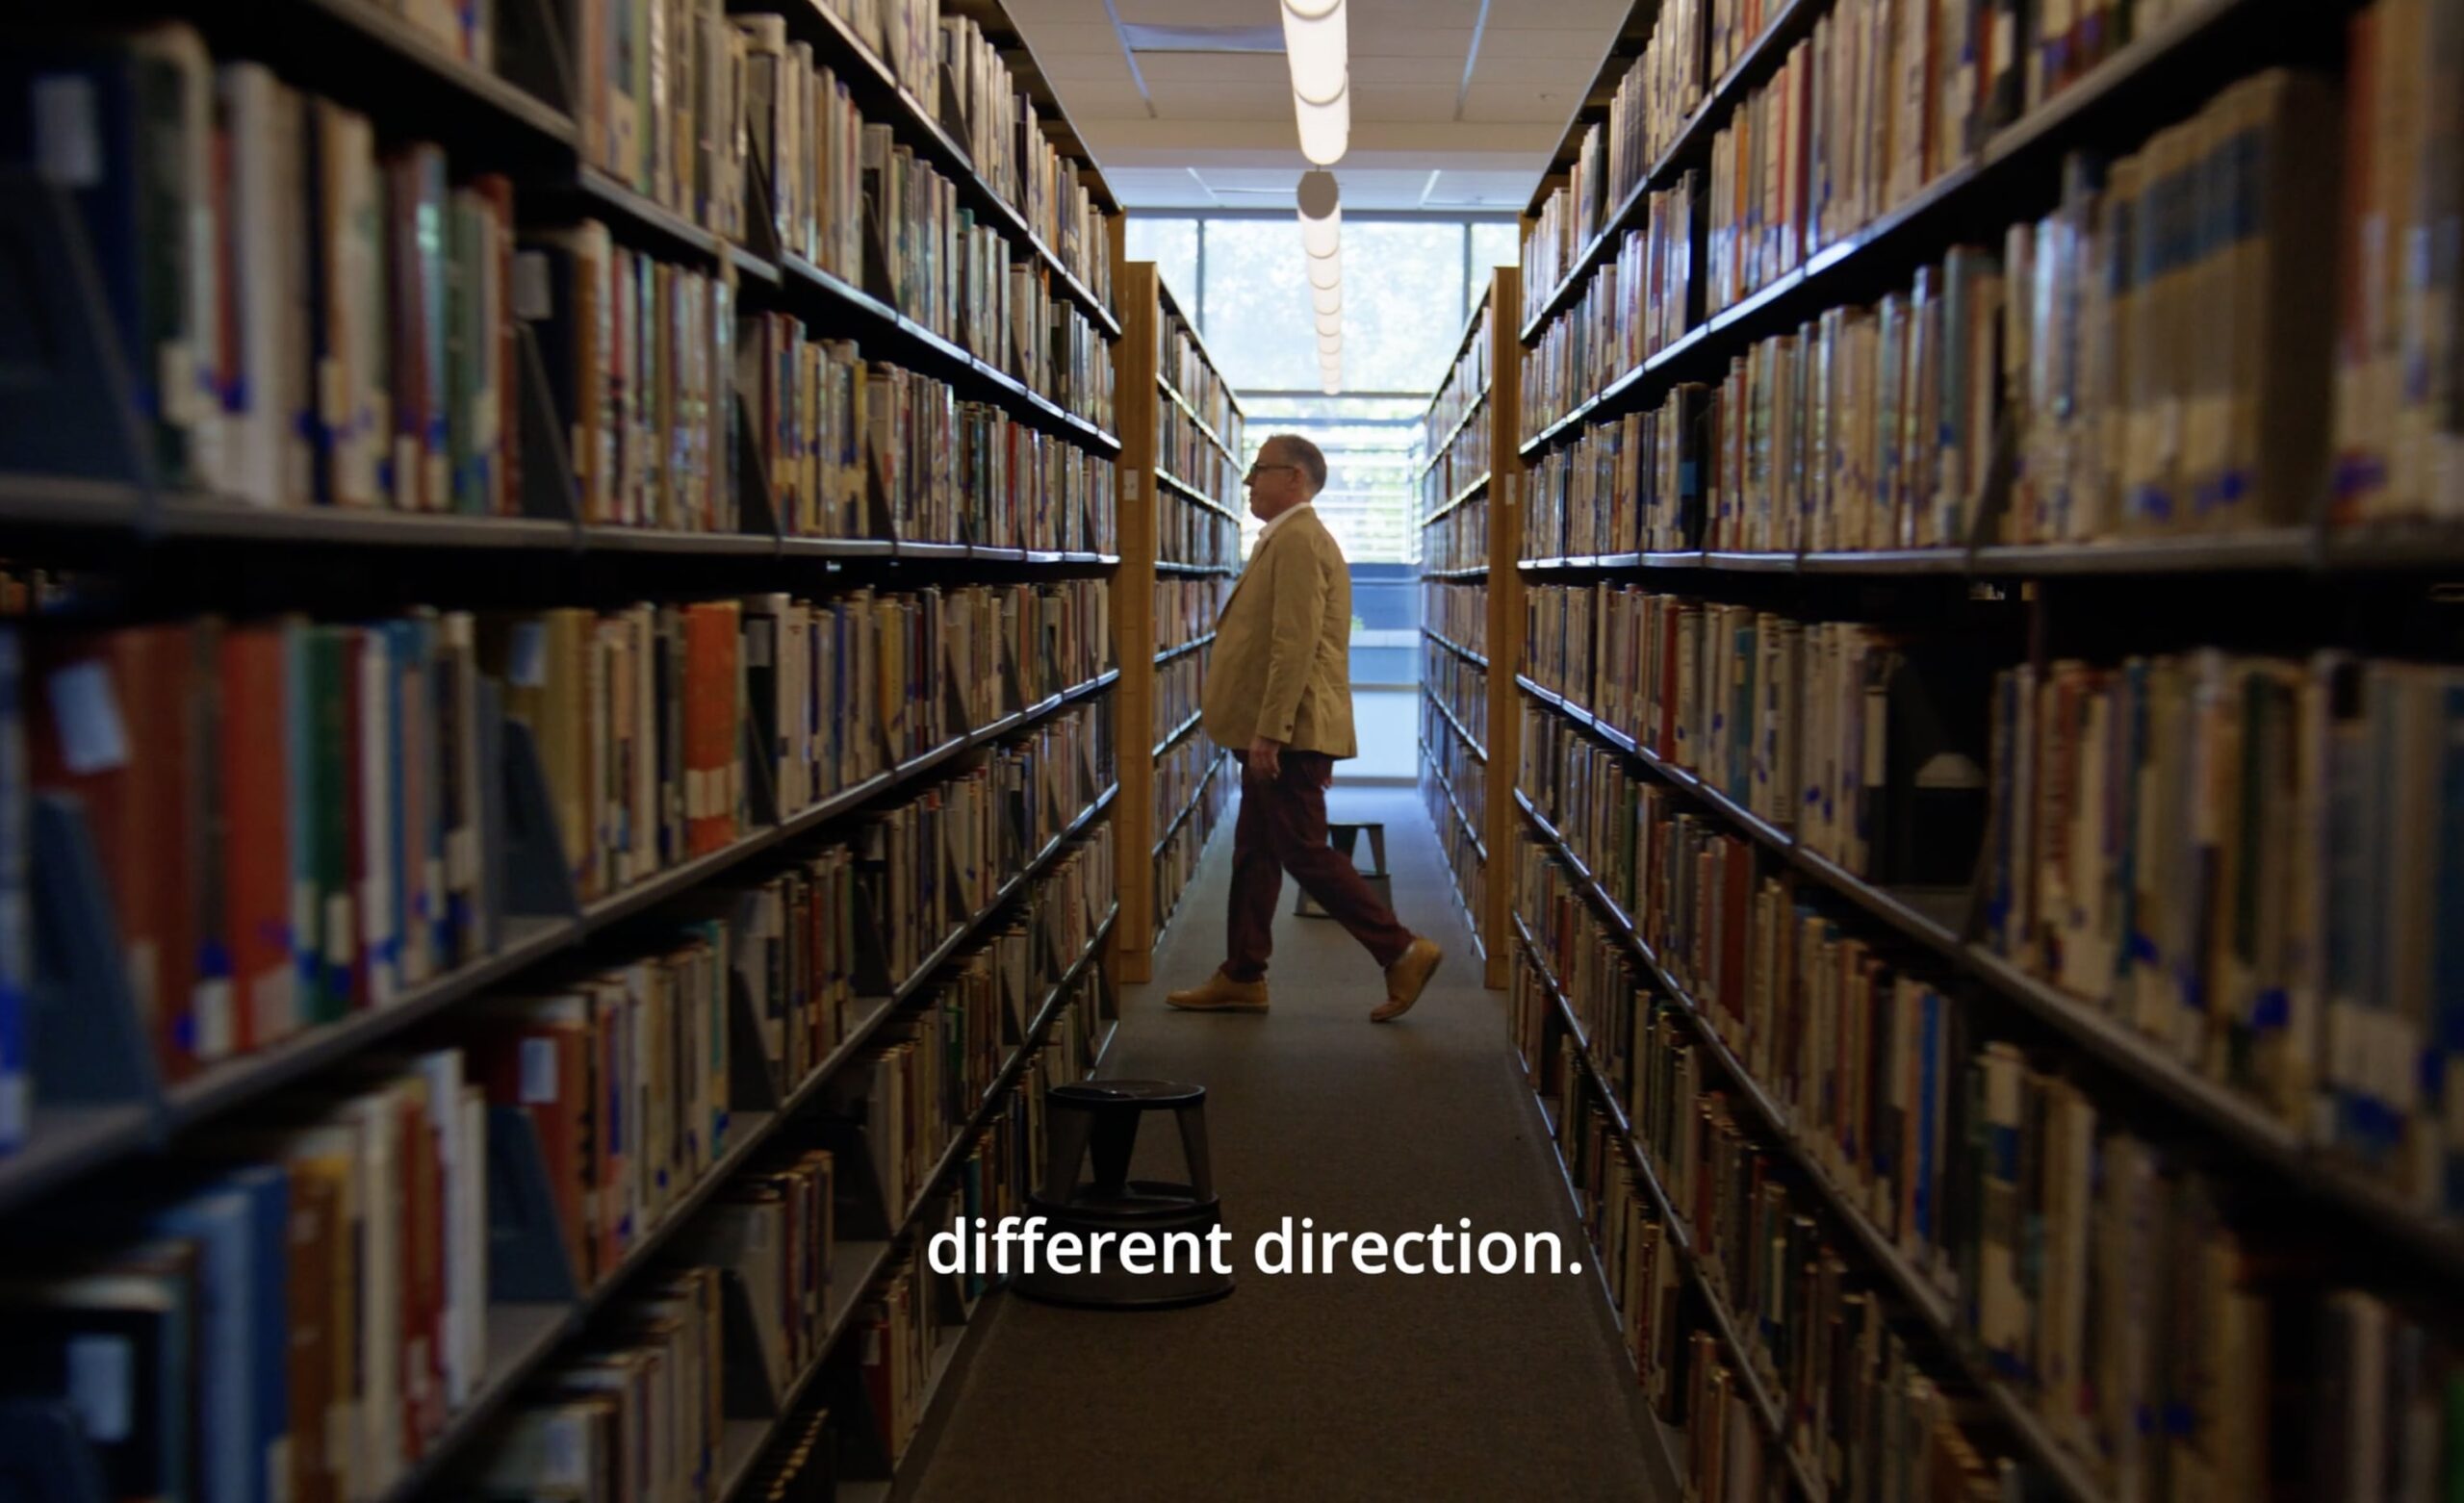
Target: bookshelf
(1472, 612)
(678, 668)
(1849, 803)
(1182, 457)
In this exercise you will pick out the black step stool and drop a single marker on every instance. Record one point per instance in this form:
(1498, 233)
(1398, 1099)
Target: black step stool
(1099, 1119)
(1346, 838)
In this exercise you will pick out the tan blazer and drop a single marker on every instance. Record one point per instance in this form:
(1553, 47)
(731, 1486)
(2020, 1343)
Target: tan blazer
(1281, 665)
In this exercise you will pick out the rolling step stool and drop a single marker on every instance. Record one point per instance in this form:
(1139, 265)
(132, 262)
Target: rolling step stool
(1346, 838)
(1099, 1119)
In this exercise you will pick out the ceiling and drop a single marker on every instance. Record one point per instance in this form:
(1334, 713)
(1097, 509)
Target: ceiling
(1456, 105)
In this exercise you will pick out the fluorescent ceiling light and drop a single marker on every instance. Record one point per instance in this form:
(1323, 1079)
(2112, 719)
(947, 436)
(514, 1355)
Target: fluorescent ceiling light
(1326, 129)
(1317, 42)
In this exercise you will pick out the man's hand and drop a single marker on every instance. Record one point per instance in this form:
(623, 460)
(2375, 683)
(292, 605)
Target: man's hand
(1266, 756)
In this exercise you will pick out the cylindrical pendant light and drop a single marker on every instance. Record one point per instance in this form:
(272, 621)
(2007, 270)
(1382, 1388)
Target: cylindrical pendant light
(1321, 215)
(1331, 324)
(1327, 272)
(1317, 41)
(1326, 299)
(1325, 126)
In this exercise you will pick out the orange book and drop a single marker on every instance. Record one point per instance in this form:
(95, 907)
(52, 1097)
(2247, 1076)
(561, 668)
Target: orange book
(711, 734)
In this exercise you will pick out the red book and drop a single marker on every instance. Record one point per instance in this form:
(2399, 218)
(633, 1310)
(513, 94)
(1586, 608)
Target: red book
(544, 1067)
(256, 852)
(101, 735)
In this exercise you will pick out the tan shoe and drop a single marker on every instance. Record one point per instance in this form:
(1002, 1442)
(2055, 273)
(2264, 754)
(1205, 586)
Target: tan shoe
(1406, 978)
(1219, 993)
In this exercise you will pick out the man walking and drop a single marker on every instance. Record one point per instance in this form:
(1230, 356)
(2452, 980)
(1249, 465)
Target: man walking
(1278, 695)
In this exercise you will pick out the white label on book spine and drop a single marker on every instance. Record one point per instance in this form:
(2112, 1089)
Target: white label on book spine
(85, 705)
(102, 1385)
(538, 1071)
(212, 1004)
(68, 144)
(339, 935)
(533, 298)
(462, 856)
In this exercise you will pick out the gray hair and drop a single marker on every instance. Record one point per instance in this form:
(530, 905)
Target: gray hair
(1301, 451)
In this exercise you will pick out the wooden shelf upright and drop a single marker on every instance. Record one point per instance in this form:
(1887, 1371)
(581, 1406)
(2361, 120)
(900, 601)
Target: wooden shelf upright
(1180, 547)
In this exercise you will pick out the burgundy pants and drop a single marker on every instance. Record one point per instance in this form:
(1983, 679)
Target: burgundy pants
(1283, 829)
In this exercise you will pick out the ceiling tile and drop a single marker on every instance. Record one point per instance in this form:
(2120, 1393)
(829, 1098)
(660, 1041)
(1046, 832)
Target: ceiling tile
(1522, 103)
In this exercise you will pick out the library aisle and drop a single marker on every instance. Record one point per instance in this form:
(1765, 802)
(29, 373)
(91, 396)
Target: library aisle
(1324, 1386)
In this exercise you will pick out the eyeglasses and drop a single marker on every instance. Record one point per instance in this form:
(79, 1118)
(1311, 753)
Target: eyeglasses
(1256, 470)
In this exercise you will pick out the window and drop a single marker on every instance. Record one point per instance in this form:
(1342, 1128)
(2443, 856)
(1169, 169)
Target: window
(1409, 283)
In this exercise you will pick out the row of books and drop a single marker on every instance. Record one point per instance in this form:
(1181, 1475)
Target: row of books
(999, 124)
(1186, 608)
(835, 432)
(2133, 419)
(666, 91)
(365, 868)
(647, 1389)
(1459, 688)
(1178, 775)
(1179, 687)
(2322, 787)
(1658, 92)
(636, 1416)
(1465, 459)
(1466, 385)
(1458, 842)
(1183, 364)
(1869, 1414)
(1631, 307)
(1177, 858)
(1206, 460)
(1458, 612)
(1467, 776)
(1868, 744)
(306, 1313)
(1874, 106)
(2061, 1241)
(1186, 532)
(1634, 483)
(640, 713)
(940, 860)
(301, 1315)
(1459, 539)
(320, 322)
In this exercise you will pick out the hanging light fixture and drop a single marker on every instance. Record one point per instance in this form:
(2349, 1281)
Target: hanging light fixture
(1317, 44)
(1317, 41)
(1327, 272)
(1331, 324)
(1321, 215)
(1325, 299)
(1326, 127)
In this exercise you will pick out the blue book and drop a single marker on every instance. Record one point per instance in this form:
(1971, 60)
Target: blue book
(238, 1225)
(2443, 1052)
(16, 908)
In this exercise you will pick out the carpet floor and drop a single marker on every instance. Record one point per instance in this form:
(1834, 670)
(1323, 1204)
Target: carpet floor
(1328, 1385)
